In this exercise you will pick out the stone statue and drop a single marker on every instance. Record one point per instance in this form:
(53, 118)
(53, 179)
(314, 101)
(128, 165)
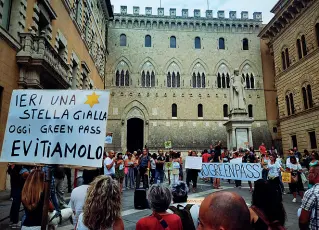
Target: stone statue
(237, 92)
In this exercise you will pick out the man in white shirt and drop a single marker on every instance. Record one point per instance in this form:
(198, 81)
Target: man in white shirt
(78, 194)
(109, 164)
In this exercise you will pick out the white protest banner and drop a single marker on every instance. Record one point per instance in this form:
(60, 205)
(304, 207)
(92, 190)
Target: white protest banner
(235, 171)
(193, 163)
(56, 127)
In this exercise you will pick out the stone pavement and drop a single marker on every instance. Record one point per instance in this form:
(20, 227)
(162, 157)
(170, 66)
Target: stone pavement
(131, 216)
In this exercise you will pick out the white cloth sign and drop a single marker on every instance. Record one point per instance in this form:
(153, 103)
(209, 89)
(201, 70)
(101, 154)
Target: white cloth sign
(235, 171)
(56, 127)
(193, 163)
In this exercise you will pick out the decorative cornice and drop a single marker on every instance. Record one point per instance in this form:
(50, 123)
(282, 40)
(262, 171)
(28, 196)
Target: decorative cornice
(285, 16)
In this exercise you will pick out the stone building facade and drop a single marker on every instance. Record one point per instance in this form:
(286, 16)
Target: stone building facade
(169, 77)
(293, 39)
(51, 45)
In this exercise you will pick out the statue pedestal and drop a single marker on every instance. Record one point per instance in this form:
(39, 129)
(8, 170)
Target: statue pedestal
(238, 129)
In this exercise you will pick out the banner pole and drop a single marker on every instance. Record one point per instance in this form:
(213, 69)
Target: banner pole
(47, 184)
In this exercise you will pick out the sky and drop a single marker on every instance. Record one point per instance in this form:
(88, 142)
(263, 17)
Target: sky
(251, 6)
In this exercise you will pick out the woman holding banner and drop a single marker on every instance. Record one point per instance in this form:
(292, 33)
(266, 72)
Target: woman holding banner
(192, 175)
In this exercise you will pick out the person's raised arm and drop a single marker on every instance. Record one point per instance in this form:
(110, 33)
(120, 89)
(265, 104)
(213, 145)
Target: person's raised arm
(109, 166)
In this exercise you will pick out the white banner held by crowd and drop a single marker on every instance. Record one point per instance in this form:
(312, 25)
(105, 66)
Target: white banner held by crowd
(56, 127)
(234, 171)
(193, 162)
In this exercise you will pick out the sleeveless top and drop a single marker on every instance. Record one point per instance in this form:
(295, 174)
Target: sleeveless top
(80, 225)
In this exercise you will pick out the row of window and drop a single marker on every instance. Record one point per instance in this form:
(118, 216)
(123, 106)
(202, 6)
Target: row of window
(312, 140)
(174, 79)
(173, 43)
(200, 112)
(307, 100)
(301, 47)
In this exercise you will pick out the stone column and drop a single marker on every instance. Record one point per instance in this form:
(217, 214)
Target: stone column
(234, 138)
(250, 137)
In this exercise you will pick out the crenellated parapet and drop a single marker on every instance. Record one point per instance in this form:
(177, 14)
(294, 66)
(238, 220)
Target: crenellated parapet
(257, 16)
(196, 21)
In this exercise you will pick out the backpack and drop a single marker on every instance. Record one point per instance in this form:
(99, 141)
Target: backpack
(275, 225)
(185, 215)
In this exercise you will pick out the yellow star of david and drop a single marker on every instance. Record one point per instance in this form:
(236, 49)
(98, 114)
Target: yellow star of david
(92, 99)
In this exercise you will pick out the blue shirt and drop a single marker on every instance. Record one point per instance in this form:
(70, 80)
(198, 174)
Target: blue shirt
(144, 161)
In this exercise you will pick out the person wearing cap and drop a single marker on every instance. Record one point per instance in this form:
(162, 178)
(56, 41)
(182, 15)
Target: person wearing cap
(180, 195)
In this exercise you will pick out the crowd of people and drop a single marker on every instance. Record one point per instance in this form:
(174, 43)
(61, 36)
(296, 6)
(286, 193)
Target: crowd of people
(96, 199)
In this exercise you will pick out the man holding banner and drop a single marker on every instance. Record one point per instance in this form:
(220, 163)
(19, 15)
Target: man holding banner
(249, 158)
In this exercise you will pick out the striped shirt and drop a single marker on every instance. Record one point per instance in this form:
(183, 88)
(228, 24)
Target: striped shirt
(310, 204)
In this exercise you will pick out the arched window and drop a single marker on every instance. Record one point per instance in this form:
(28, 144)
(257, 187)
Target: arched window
(127, 78)
(287, 57)
(123, 40)
(219, 81)
(199, 81)
(283, 60)
(117, 81)
(200, 110)
(225, 110)
(317, 33)
(245, 44)
(169, 80)
(194, 80)
(174, 110)
(203, 80)
(148, 41)
(227, 80)
(148, 79)
(197, 43)
(173, 42)
(143, 79)
(288, 105)
(153, 79)
(122, 78)
(247, 82)
(221, 43)
(299, 49)
(304, 97)
(173, 80)
(307, 97)
(304, 45)
(223, 81)
(291, 98)
(309, 94)
(252, 81)
(250, 111)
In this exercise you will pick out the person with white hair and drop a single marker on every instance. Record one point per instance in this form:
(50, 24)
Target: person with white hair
(159, 197)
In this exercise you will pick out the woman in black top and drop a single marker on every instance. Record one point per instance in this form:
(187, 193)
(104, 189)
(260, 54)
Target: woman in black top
(266, 204)
(217, 159)
(33, 198)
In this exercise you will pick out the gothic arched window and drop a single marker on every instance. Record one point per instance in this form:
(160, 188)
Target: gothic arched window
(173, 42)
(148, 41)
(197, 43)
(200, 110)
(245, 44)
(304, 45)
(174, 110)
(250, 111)
(225, 110)
(219, 81)
(123, 40)
(221, 43)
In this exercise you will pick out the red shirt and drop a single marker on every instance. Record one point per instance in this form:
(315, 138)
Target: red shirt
(262, 149)
(150, 222)
(205, 157)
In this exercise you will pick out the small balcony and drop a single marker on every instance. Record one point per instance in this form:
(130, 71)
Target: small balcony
(42, 66)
